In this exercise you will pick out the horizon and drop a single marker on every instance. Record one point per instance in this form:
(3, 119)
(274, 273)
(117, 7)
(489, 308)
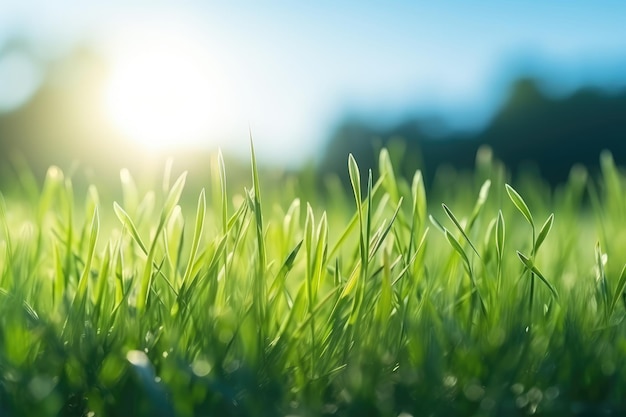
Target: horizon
(290, 74)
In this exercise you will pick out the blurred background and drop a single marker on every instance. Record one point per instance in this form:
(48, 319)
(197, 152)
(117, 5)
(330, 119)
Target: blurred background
(94, 87)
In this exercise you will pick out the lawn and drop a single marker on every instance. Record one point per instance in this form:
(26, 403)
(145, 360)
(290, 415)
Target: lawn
(488, 297)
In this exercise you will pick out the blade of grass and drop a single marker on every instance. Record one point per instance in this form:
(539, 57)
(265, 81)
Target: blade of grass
(197, 234)
(601, 279)
(418, 193)
(375, 246)
(459, 249)
(279, 281)
(388, 176)
(260, 290)
(500, 232)
(500, 235)
(437, 224)
(543, 233)
(619, 290)
(383, 306)
(531, 267)
(103, 275)
(356, 281)
(93, 237)
(452, 217)
(130, 226)
(520, 204)
(321, 251)
(480, 202)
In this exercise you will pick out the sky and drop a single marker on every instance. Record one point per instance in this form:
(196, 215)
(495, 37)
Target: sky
(288, 72)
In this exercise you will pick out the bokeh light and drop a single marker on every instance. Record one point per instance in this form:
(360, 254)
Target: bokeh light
(163, 93)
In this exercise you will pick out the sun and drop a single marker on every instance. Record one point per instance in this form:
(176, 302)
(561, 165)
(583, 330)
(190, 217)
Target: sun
(162, 91)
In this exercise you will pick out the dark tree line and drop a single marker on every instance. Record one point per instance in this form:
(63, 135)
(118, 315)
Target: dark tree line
(530, 128)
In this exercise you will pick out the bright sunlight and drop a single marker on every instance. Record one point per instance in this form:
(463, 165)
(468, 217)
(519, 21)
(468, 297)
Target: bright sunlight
(163, 92)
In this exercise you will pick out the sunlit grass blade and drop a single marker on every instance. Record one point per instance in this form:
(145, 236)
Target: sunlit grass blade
(297, 310)
(60, 283)
(500, 235)
(368, 220)
(468, 267)
(223, 192)
(410, 263)
(118, 262)
(519, 202)
(383, 306)
(388, 176)
(359, 295)
(197, 234)
(531, 267)
(352, 281)
(543, 233)
(355, 180)
(173, 240)
(380, 238)
(172, 199)
(93, 237)
(480, 202)
(289, 262)
(93, 199)
(287, 265)
(129, 225)
(260, 291)
(169, 205)
(458, 248)
(459, 227)
(356, 280)
(316, 250)
(601, 279)
(25, 307)
(489, 244)
(437, 224)
(329, 296)
(619, 290)
(321, 251)
(145, 282)
(352, 224)
(419, 199)
(290, 224)
(52, 183)
(309, 227)
(210, 260)
(103, 276)
(240, 213)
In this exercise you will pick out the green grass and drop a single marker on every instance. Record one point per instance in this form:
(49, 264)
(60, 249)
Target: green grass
(503, 300)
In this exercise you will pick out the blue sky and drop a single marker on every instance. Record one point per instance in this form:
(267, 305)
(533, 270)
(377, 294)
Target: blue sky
(293, 69)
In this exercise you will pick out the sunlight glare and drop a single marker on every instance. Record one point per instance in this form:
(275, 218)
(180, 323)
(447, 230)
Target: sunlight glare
(163, 92)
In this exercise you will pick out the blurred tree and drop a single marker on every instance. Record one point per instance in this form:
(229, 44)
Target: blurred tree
(62, 122)
(530, 127)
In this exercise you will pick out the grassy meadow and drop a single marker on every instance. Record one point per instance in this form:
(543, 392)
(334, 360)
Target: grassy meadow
(483, 296)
